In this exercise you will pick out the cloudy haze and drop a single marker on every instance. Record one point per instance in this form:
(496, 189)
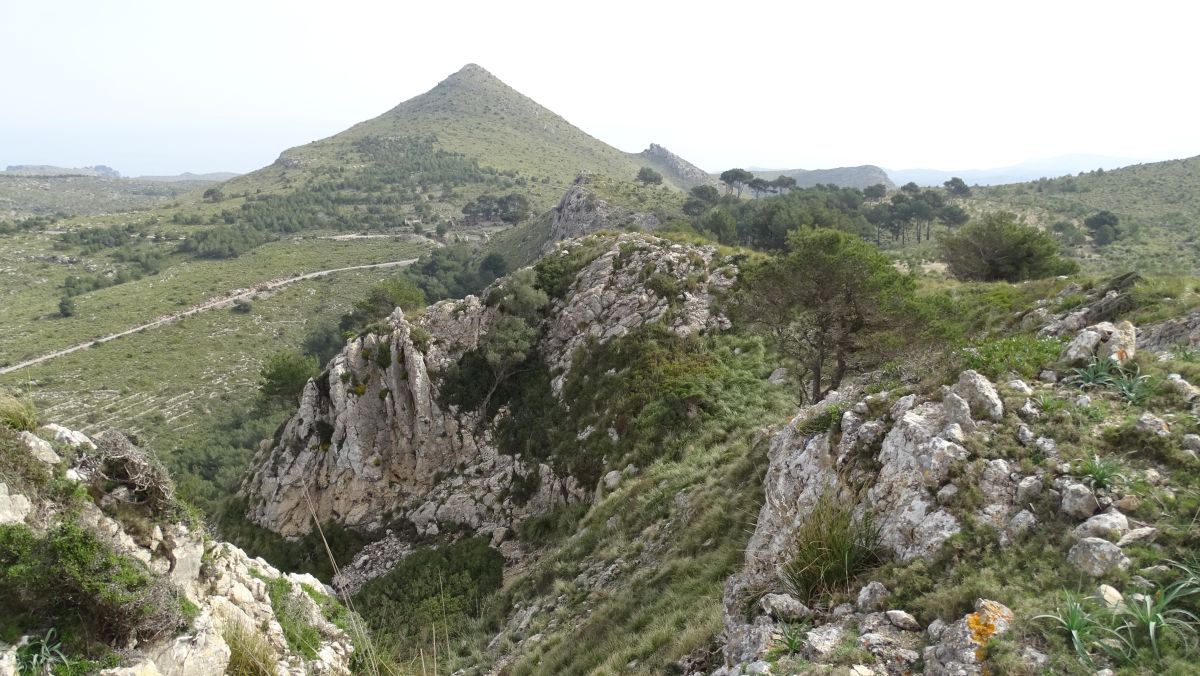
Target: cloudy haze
(165, 87)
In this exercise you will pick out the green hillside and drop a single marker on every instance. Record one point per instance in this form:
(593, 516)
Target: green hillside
(472, 115)
(1158, 205)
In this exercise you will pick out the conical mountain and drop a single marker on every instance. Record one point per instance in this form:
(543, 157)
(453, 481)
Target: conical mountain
(474, 114)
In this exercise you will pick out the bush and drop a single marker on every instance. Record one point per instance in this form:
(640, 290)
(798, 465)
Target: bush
(998, 247)
(829, 550)
(18, 414)
(432, 590)
(1023, 355)
(302, 637)
(285, 374)
(69, 576)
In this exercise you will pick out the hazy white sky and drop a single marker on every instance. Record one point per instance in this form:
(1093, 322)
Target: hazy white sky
(164, 86)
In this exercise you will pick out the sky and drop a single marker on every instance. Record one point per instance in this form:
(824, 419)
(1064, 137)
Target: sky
(164, 87)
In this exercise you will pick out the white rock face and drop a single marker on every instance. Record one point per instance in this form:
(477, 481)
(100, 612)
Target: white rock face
(911, 460)
(373, 438)
(226, 585)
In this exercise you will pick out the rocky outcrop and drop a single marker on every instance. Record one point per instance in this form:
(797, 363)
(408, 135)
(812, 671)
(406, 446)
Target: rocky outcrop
(1105, 340)
(680, 171)
(889, 459)
(373, 443)
(133, 510)
(581, 211)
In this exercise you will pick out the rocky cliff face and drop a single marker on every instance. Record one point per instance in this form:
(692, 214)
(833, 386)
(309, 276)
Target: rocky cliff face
(681, 171)
(129, 509)
(923, 468)
(372, 441)
(581, 212)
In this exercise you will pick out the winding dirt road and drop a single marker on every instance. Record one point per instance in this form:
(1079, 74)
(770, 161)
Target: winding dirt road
(197, 309)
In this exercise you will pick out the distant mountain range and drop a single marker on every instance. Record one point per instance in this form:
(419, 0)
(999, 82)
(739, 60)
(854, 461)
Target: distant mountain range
(1030, 170)
(211, 177)
(50, 170)
(845, 177)
(103, 171)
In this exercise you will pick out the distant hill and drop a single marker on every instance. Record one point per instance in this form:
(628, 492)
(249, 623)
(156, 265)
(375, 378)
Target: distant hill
(1158, 205)
(471, 114)
(678, 170)
(211, 177)
(50, 170)
(23, 195)
(844, 177)
(1029, 170)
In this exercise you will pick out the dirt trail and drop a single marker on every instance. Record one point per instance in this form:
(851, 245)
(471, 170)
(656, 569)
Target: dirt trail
(225, 301)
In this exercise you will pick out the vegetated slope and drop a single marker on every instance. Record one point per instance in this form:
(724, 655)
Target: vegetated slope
(476, 115)
(68, 195)
(1158, 205)
(105, 567)
(614, 464)
(843, 177)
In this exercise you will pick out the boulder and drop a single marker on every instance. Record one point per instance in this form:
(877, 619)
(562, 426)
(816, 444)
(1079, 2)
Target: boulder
(202, 652)
(903, 620)
(1078, 501)
(40, 448)
(1138, 535)
(1082, 347)
(1152, 423)
(14, 507)
(1119, 342)
(961, 648)
(823, 641)
(69, 437)
(871, 596)
(980, 394)
(1110, 525)
(784, 607)
(1097, 557)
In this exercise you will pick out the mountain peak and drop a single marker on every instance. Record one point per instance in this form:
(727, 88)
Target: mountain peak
(471, 74)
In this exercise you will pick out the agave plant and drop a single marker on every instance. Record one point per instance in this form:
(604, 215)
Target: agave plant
(1147, 619)
(1131, 385)
(1080, 625)
(1101, 472)
(1099, 373)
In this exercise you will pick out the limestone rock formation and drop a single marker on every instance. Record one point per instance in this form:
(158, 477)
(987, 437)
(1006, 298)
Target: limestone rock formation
(230, 591)
(372, 440)
(581, 211)
(682, 172)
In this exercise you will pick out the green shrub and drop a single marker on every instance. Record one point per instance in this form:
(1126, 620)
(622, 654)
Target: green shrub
(829, 550)
(998, 247)
(18, 468)
(285, 374)
(39, 654)
(383, 356)
(1023, 355)
(433, 590)
(302, 637)
(18, 414)
(69, 576)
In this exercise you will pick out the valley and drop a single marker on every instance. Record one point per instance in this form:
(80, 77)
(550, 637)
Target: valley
(465, 390)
